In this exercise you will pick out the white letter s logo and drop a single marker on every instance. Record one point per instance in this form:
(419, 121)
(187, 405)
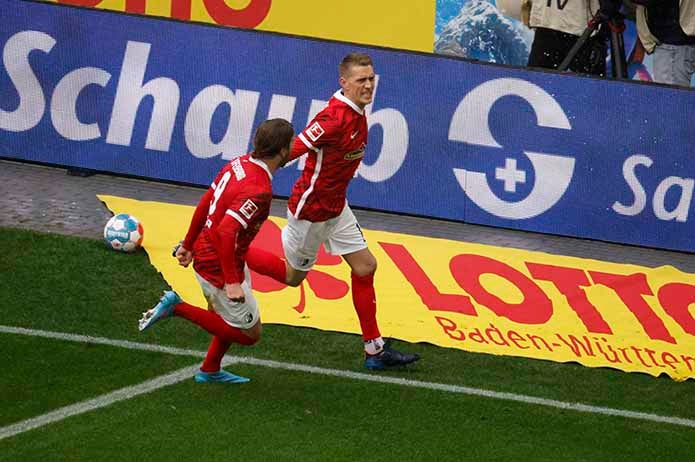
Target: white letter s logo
(470, 125)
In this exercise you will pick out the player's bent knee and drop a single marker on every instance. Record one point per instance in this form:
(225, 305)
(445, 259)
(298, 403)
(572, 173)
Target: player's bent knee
(365, 268)
(361, 262)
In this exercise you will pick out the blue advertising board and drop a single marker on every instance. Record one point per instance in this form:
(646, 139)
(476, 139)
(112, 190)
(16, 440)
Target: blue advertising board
(448, 138)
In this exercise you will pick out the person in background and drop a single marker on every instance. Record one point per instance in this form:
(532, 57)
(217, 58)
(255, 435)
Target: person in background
(667, 30)
(558, 24)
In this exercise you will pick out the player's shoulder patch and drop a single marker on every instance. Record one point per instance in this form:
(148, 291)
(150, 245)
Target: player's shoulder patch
(248, 208)
(315, 131)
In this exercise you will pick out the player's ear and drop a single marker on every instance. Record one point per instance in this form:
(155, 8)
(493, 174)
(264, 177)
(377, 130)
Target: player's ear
(283, 155)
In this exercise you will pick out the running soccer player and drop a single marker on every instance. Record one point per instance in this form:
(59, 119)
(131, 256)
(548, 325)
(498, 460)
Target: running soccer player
(318, 212)
(226, 220)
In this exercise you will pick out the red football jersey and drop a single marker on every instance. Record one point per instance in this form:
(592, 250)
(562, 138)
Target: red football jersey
(335, 141)
(237, 202)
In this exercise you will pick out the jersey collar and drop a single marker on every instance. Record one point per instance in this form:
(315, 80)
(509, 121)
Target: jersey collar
(261, 164)
(340, 96)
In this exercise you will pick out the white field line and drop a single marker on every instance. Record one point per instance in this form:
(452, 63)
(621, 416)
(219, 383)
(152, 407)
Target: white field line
(533, 400)
(98, 402)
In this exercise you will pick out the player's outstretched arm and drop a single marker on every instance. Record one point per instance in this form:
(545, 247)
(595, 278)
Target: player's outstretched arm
(298, 149)
(227, 232)
(197, 221)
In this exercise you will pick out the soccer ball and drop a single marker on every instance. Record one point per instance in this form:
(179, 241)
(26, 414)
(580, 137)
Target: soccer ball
(123, 232)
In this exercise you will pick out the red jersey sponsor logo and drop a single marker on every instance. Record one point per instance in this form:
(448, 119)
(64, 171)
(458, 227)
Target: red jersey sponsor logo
(354, 155)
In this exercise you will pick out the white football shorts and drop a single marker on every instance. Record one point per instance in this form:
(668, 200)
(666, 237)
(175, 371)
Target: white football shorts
(242, 315)
(301, 239)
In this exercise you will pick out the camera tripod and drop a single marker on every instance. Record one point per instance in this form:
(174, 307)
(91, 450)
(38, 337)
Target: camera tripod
(603, 22)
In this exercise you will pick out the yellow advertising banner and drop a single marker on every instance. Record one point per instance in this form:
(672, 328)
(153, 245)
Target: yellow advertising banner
(473, 297)
(388, 23)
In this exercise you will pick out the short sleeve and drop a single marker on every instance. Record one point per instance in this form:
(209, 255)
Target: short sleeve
(249, 206)
(324, 129)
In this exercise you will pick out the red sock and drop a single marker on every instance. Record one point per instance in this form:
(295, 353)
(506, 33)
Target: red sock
(213, 323)
(213, 359)
(266, 263)
(364, 299)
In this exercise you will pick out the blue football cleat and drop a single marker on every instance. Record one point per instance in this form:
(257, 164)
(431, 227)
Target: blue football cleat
(220, 376)
(388, 358)
(163, 309)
